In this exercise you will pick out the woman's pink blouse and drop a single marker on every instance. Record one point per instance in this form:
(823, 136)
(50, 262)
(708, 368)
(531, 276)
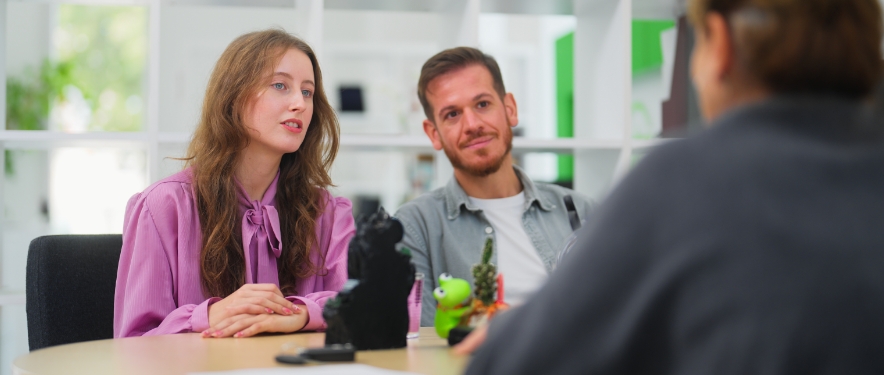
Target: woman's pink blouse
(158, 282)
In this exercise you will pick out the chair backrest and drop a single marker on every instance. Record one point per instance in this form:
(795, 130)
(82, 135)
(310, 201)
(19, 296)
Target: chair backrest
(70, 288)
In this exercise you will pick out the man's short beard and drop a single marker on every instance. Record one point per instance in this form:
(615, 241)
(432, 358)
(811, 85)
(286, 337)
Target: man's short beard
(482, 170)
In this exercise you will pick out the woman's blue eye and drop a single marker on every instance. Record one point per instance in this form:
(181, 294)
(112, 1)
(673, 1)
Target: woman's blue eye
(279, 86)
(306, 93)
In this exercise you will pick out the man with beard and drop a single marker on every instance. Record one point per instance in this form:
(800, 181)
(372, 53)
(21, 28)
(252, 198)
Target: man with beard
(470, 116)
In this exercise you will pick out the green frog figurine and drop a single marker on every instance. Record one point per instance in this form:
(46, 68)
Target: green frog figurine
(453, 296)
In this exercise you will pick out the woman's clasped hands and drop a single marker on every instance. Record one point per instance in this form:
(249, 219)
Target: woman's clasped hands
(252, 309)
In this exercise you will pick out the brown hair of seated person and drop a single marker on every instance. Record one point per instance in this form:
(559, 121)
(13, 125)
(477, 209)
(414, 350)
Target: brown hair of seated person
(450, 60)
(801, 46)
(242, 70)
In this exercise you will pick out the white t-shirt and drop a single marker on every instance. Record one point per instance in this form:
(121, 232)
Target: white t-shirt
(523, 270)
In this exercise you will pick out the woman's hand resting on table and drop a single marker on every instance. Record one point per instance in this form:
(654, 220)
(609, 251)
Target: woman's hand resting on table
(245, 325)
(252, 309)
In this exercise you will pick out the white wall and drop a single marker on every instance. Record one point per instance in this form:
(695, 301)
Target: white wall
(191, 40)
(382, 52)
(602, 95)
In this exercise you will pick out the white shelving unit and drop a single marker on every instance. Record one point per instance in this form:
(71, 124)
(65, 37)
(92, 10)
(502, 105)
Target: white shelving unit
(24, 139)
(602, 82)
(603, 144)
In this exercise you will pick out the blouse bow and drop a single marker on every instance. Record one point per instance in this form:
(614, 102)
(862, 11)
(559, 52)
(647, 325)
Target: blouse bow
(260, 236)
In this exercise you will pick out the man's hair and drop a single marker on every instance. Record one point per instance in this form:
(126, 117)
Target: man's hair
(454, 59)
(801, 46)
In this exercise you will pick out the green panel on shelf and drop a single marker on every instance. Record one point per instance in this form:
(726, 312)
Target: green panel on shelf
(565, 101)
(647, 53)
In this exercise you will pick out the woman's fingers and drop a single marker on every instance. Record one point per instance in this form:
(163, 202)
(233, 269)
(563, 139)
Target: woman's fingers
(261, 306)
(248, 309)
(226, 323)
(275, 323)
(237, 327)
(276, 303)
(256, 328)
(246, 325)
(252, 299)
(272, 288)
(234, 324)
(264, 298)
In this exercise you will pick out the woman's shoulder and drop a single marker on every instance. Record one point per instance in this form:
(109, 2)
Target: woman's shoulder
(168, 191)
(333, 203)
(335, 223)
(174, 184)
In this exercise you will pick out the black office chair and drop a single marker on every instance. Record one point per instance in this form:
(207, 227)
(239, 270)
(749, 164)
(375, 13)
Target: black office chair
(70, 288)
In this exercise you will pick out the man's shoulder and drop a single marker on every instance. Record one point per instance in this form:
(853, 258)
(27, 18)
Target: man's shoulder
(556, 193)
(433, 201)
(422, 216)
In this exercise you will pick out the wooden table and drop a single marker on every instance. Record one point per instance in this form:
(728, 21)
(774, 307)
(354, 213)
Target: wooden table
(188, 352)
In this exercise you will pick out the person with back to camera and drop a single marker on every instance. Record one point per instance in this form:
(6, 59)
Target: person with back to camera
(245, 239)
(756, 247)
(470, 116)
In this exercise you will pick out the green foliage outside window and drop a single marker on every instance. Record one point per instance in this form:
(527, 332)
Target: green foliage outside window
(102, 52)
(107, 48)
(29, 98)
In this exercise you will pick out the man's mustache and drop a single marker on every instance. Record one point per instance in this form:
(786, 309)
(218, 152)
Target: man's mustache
(475, 137)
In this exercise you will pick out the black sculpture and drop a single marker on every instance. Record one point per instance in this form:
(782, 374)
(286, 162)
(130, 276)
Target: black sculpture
(370, 312)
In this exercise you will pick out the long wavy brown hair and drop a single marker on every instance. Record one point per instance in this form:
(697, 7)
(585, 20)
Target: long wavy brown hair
(243, 70)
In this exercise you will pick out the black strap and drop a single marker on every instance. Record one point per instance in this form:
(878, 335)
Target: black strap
(572, 212)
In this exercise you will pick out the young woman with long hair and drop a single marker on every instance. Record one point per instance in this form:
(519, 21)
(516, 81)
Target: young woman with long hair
(245, 239)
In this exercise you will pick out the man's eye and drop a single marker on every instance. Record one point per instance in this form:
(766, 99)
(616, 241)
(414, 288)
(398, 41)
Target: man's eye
(483, 104)
(279, 86)
(451, 114)
(306, 93)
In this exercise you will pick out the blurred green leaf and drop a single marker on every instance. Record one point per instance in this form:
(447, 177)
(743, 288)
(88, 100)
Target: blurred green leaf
(29, 98)
(103, 52)
(107, 52)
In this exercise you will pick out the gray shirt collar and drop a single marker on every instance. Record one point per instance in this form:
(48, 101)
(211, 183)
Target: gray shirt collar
(455, 197)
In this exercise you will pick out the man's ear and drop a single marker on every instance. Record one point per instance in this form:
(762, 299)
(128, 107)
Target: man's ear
(433, 134)
(512, 111)
(721, 44)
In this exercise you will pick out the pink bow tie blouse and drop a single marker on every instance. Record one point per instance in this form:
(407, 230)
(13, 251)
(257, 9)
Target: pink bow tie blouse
(158, 281)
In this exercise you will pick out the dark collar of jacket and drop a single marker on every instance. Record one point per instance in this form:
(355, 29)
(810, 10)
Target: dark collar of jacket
(455, 197)
(831, 117)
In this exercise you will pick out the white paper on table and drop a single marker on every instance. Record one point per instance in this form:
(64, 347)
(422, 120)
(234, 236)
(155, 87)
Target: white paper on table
(353, 369)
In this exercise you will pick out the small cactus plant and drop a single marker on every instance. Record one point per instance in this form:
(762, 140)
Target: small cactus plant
(485, 276)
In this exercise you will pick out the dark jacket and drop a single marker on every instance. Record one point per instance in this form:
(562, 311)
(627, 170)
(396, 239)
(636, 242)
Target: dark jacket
(756, 247)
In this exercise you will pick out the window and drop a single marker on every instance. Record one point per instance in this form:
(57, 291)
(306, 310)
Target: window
(70, 69)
